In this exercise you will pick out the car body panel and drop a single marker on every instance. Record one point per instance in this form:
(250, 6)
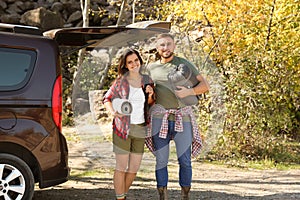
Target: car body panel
(27, 129)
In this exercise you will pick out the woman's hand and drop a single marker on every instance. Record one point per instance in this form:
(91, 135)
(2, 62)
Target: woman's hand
(116, 114)
(109, 107)
(151, 96)
(149, 90)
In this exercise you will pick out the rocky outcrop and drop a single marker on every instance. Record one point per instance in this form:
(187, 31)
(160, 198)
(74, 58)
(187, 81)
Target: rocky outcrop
(49, 14)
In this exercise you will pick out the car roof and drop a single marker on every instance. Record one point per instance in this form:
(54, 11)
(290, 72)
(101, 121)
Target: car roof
(16, 28)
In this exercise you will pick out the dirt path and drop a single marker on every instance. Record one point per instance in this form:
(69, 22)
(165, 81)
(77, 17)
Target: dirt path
(92, 161)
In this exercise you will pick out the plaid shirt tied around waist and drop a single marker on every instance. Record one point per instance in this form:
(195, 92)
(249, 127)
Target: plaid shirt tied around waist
(179, 113)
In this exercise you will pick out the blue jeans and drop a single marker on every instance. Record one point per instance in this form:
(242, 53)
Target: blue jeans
(183, 142)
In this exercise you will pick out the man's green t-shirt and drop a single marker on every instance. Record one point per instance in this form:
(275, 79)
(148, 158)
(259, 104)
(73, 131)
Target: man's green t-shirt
(159, 74)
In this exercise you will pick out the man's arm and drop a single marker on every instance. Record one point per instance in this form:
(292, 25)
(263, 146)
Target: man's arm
(201, 88)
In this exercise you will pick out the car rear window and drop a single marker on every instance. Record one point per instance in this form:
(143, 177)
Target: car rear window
(16, 66)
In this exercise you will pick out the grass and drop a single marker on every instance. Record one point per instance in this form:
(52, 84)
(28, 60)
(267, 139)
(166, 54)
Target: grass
(99, 172)
(258, 164)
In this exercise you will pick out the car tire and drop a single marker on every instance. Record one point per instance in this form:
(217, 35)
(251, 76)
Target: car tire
(16, 178)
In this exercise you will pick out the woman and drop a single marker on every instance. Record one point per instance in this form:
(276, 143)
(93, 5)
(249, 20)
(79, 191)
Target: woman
(129, 131)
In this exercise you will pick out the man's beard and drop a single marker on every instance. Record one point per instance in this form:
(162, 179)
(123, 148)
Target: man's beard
(168, 56)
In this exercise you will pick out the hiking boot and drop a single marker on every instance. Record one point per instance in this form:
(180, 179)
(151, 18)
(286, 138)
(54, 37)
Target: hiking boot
(185, 193)
(163, 193)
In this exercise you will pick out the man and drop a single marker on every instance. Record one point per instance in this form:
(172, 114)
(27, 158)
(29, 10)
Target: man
(171, 119)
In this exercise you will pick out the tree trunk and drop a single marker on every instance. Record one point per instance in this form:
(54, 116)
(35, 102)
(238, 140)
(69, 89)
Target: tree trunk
(122, 10)
(85, 6)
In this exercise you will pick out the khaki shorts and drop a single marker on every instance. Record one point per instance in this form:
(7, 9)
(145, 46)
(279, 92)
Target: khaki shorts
(134, 143)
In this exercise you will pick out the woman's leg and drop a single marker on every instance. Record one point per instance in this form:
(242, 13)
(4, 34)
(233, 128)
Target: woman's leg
(133, 167)
(137, 137)
(120, 173)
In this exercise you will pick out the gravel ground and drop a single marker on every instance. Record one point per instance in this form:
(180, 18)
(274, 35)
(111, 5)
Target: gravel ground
(90, 150)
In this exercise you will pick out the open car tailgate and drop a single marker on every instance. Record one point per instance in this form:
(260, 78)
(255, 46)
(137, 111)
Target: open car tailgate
(92, 37)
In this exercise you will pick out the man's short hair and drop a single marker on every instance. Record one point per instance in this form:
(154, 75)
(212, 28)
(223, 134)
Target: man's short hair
(164, 35)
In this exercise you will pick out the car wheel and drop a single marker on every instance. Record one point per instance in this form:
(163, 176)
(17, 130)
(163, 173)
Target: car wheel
(16, 178)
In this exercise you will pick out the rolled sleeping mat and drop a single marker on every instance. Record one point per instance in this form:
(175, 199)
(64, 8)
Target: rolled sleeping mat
(122, 106)
(182, 75)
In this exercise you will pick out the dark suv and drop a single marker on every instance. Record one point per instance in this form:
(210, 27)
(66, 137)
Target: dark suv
(32, 146)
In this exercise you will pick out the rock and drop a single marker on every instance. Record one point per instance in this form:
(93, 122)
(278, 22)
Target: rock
(13, 9)
(57, 7)
(28, 5)
(42, 18)
(3, 5)
(10, 19)
(96, 106)
(81, 106)
(75, 17)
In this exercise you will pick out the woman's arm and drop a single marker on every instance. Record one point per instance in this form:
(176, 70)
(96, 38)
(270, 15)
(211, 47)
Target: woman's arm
(108, 98)
(109, 107)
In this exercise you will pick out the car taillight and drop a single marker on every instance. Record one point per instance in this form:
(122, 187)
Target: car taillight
(57, 102)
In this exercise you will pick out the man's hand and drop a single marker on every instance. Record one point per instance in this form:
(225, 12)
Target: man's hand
(182, 92)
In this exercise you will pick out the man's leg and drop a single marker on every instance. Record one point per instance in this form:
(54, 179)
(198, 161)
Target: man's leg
(183, 141)
(183, 148)
(162, 156)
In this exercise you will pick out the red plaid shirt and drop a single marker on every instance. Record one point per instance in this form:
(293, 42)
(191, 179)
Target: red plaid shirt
(179, 113)
(120, 89)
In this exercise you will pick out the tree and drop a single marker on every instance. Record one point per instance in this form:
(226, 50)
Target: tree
(258, 57)
(122, 10)
(85, 6)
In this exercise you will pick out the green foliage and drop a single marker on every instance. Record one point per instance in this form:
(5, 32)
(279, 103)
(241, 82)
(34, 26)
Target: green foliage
(255, 45)
(69, 67)
(96, 72)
